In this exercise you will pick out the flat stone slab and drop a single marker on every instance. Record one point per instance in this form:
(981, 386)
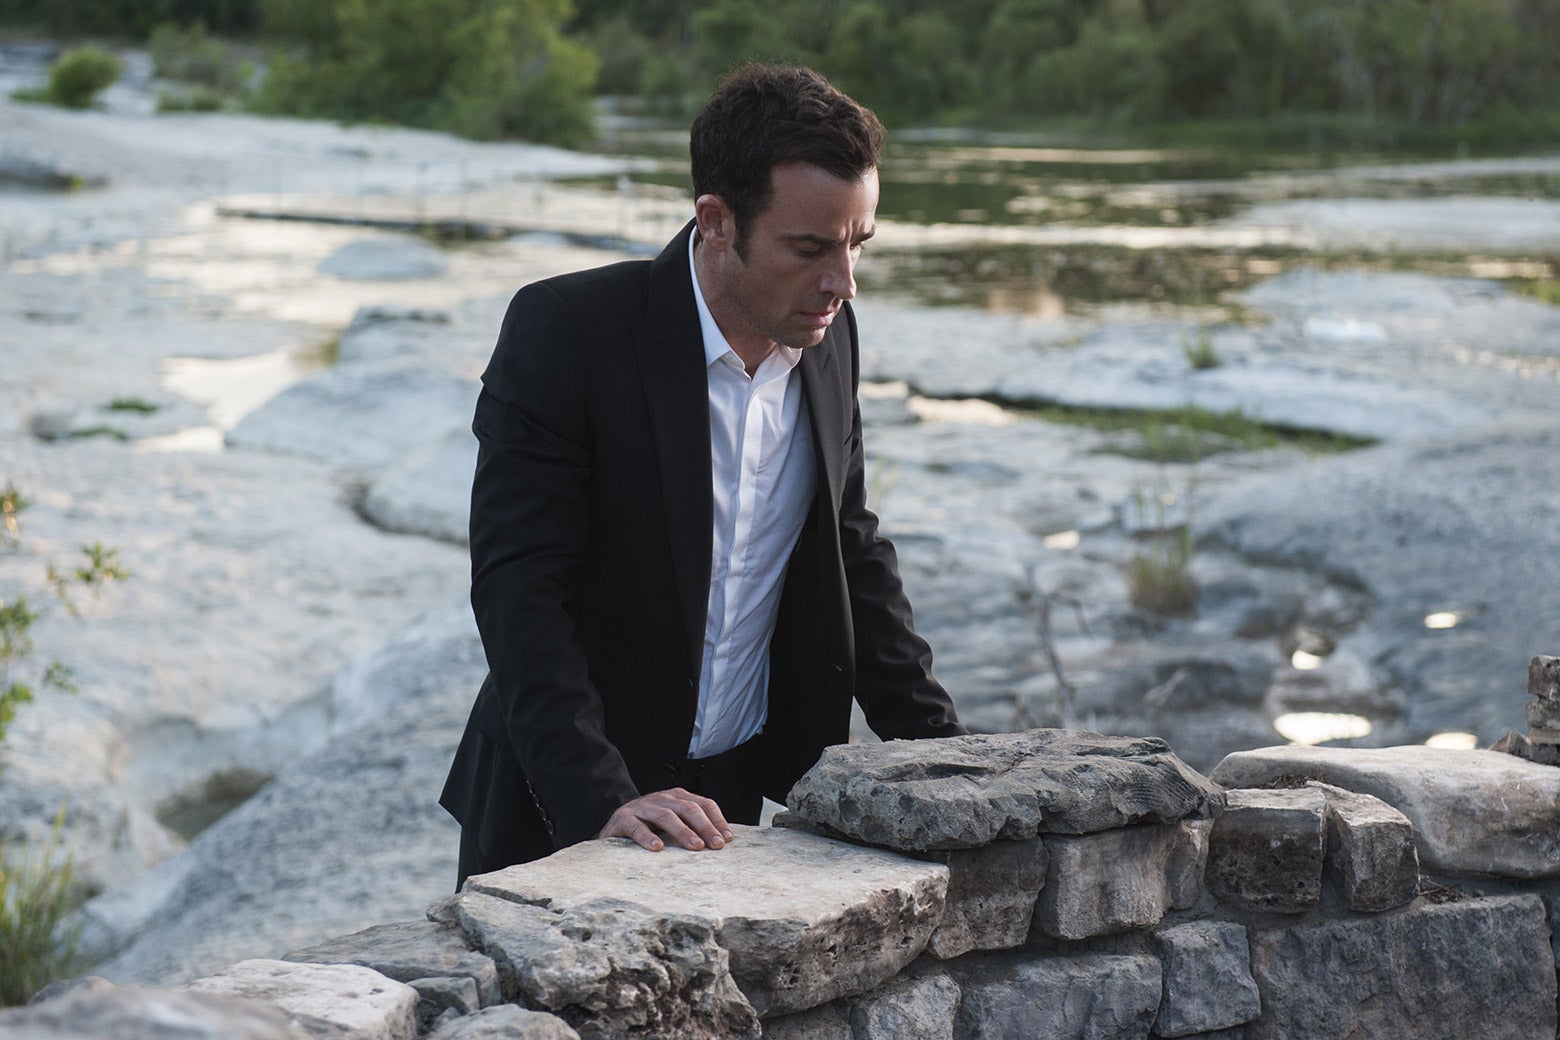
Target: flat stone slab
(1475, 813)
(111, 1012)
(407, 951)
(1450, 971)
(806, 919)
(328, 1000)
(966, 792)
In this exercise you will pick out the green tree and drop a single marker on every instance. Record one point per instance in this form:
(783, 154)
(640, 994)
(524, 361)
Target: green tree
(484, 68)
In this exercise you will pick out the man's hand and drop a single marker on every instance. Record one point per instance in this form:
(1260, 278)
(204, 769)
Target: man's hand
(692, 821)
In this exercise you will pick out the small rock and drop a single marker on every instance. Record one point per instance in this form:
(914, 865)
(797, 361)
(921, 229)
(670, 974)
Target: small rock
(441, 994)
(966, 792)
(1080, 997)
(328, 1000)
(505, 1022)
(1266, 850)
(1544, 678)
(1208, 983)
(1371, 858)
(922, 1007)
(991, 897)
(1098, 884)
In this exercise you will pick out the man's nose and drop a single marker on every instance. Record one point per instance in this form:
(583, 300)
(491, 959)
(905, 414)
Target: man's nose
(839, 279)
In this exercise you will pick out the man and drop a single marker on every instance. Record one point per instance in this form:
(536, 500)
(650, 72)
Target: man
(677, 581)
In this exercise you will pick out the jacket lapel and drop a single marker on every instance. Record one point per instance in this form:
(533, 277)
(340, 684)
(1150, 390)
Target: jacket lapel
(830, 420)
(669, 348)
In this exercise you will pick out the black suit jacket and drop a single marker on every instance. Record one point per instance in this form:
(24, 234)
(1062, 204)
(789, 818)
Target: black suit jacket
(590, 544)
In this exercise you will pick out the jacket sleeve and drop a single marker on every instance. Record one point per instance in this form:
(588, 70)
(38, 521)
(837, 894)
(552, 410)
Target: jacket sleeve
(529, 521)
(894, 682)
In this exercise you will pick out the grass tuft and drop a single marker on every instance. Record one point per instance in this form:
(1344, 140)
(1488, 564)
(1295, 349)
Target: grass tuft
(37, 946)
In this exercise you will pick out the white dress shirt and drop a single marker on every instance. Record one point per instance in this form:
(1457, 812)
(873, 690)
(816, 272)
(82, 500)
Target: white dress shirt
(763, 477)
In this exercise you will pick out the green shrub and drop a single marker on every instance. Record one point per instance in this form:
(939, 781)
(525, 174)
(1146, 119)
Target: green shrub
(1159, 579)
(1200, 351)
(37, 947)
(77, 76)
(482, 68)
(190, 55)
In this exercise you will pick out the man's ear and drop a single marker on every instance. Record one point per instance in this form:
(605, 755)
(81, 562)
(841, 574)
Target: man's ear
(717, 224)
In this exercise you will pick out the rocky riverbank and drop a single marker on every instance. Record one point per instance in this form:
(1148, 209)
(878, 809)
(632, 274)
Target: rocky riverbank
(290, 500)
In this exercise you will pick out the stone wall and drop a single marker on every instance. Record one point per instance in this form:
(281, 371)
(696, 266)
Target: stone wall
(1046, 884)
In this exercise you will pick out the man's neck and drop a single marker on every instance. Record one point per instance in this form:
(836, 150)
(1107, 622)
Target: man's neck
(751, 350)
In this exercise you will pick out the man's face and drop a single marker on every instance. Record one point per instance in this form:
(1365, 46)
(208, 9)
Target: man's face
(800, 258)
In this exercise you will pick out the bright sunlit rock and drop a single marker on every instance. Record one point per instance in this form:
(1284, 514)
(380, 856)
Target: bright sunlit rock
(1305, 661)
(1316, 727)
(1453, 741)
(1062, 540)
(1442, 619)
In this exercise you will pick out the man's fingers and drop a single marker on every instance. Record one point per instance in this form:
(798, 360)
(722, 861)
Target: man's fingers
(692, 821)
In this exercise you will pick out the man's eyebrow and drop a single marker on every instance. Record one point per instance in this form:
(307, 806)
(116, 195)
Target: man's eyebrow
(826, 242)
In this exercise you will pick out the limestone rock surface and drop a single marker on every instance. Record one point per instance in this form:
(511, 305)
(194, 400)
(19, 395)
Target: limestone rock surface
(329, 1000)
(1448, 971)
(611, 969)
(1207, 977)
(806, 919)
(966, 792)
(385, 259)
(1266, 851)
(132, 1013)
(1085, 997)
(1113, 881)
(1475, 813)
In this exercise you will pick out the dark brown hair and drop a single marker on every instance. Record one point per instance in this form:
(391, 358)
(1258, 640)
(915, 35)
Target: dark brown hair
(763, 116)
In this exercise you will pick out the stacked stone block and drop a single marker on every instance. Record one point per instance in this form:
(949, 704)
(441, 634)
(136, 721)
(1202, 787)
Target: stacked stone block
(1542, 742)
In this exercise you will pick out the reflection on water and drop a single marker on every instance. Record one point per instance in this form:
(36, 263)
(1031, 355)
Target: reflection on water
(230, 388)
(1318, 727)
(1453, 741)
(1442, 619)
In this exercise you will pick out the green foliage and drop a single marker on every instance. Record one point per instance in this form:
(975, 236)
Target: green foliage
(1159, 578)
(136, 18)
(79, 74)
(37, 947)
(99, 568)
(482, 68)
(190, 55)
(1396, 66)
(1200, 351)
(133, 404)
